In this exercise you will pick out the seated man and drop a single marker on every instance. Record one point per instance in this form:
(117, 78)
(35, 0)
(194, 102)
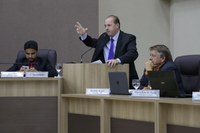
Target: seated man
(31, 62)
(160, 60)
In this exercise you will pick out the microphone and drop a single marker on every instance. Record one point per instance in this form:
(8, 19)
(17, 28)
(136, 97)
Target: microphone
(84, 54)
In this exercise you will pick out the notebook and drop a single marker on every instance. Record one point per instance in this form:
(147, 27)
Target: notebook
(165, 81)
(118, 83)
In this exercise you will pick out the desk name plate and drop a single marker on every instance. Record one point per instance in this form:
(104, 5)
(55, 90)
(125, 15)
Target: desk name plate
(196, 96)
(5, 74)
(146, 93)
(36, 74)
(97, 91)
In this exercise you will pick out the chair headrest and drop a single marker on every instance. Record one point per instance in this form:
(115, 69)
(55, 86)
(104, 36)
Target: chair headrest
(49, 54)
(188, 64)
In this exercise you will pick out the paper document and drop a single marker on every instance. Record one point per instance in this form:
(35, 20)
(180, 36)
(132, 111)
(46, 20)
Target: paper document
(97, 62)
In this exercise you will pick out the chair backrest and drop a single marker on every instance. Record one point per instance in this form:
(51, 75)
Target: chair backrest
(189, 68)
(49, 54)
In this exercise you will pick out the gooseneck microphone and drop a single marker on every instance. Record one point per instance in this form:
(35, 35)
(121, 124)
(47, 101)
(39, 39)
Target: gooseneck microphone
(84, 54)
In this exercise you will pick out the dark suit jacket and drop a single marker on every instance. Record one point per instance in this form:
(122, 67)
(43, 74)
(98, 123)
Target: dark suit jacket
(126, 50)
(168, 66)
(40, 65)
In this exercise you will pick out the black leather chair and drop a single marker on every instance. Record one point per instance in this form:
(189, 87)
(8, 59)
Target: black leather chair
(189, 68)
(50, 54)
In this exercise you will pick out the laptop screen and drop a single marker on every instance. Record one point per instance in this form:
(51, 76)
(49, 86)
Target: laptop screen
(118, 83)
(165, 81)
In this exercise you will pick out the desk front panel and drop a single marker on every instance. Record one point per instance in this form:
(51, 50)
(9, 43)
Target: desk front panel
(30, 87)
(117, 113)
(114, 113)
(130, 114)
(28, 114)
(30, 105)
(80, 114)
(179, 115)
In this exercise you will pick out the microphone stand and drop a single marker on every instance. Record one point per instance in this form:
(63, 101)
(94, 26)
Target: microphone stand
(84, 54)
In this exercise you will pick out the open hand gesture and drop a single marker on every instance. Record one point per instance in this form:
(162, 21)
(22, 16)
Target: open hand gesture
(80, 29)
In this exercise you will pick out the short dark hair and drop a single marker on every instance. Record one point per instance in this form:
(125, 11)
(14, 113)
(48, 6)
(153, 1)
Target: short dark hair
(163, 51)
(31, 44)
(116, 19)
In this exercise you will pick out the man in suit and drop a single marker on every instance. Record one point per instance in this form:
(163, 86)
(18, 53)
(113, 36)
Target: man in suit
(31, 62)
(115, 41)
(160, 60)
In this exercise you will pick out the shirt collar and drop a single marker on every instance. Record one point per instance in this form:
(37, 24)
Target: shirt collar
(115, 37)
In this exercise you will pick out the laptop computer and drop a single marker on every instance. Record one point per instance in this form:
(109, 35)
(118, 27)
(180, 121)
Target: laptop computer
(118, 83)
(165, 81)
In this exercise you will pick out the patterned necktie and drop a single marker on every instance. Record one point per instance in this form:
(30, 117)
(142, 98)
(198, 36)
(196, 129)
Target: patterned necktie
(111, 51)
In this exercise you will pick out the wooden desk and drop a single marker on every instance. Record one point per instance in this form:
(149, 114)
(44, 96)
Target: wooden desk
(178, 115)
(30, 105)
(116, 114)
(110, 111)
(78, 77)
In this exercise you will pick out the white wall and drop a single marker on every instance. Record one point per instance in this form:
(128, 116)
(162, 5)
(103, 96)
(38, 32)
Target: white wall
(149, 20)
(185, 27)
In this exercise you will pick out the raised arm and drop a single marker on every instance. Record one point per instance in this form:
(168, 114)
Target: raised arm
(80, 29)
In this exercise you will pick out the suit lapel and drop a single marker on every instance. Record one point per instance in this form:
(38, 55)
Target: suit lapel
(99, 50)
(119, 42)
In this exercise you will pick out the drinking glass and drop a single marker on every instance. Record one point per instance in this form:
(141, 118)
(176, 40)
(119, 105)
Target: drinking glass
(58, 68)
(136, 83)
